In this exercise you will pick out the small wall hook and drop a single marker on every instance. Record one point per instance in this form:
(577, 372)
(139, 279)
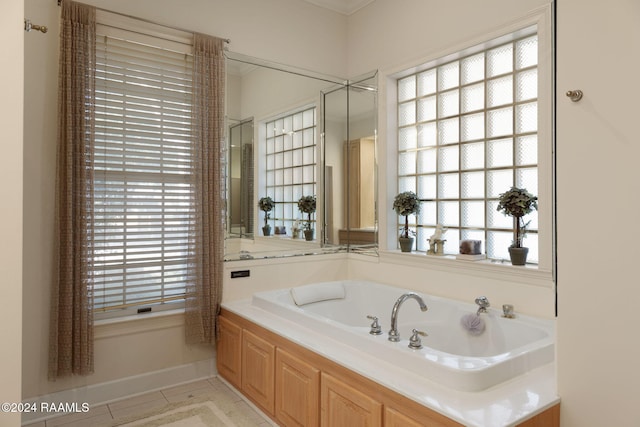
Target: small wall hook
(28, 26)
(575, 95)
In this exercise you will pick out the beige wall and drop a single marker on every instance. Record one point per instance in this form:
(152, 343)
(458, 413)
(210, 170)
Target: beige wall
(284, 273)
(597, 183)
(318, 44)
(11, 84)
(284, 31)
(255, 27)
(388, 34)
(597, 152)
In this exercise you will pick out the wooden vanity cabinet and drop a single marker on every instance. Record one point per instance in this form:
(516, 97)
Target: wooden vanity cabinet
(297, 387)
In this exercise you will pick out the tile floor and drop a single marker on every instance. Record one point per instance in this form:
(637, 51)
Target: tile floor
(148, 402)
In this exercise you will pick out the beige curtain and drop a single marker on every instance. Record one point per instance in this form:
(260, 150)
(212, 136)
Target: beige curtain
(71, 328)
(204, 291)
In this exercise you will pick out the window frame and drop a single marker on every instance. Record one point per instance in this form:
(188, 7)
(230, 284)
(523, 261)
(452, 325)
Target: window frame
(542, 19)
(268, 188)
(131, 29)
(439, 170)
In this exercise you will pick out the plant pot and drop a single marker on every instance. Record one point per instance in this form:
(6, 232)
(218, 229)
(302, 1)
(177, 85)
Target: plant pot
(266, 230)
(518, 255)
(308, 234)
(406, 243)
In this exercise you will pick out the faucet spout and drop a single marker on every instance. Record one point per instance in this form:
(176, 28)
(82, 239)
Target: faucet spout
(394, 335)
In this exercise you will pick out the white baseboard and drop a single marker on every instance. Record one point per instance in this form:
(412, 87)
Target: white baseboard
(107, 392)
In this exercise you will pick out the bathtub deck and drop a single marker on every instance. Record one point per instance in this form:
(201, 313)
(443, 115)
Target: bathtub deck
(506, 404)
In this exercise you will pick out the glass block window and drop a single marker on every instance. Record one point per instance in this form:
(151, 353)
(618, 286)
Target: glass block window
(290, 165)
(468, 131)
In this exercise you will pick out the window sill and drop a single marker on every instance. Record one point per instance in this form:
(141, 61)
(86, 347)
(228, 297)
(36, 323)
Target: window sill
(530, 274)
(140, 323)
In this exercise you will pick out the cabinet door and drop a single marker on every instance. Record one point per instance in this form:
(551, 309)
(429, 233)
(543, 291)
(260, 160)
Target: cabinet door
(351, 156)
(548, 418)
(343, 405)
(397, 417)
(393, 418)
(297, 391)
(359, 175)
(258, 359)
(228, 350)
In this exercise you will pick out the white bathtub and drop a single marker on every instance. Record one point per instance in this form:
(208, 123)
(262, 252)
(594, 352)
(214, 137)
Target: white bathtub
(451, 356)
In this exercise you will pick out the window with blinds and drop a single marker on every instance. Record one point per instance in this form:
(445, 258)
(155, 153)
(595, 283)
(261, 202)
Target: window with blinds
(142, 195)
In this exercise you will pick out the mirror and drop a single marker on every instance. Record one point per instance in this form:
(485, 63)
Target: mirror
(240, 176)
(350, 163)
(287, 133)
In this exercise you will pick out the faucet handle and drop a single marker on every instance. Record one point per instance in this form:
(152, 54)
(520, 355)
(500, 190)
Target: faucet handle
(507, 311)
(415, 343)
(375, 326)
(483, 301)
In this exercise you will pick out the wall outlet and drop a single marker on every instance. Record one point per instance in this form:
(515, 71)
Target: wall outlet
(240, 273)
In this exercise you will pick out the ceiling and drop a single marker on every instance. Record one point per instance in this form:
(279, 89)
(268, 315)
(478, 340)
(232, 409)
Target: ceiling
(346, 7)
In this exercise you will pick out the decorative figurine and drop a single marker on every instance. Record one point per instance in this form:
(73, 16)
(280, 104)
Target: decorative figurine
(436, 243)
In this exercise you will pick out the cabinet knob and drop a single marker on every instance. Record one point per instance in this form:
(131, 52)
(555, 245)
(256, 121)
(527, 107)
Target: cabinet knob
(574, 95)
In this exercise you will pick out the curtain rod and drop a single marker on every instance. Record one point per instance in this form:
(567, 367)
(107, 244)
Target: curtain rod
(146, 20)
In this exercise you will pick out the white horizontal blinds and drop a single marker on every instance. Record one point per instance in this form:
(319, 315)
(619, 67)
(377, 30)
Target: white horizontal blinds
(143, 199)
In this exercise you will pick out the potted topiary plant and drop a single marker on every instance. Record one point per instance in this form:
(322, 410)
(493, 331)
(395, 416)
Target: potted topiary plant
(266, 204)
(518, 202)
(307, 205)
(405, 204)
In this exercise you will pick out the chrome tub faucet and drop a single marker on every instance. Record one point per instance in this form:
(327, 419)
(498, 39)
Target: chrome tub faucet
(394, 335)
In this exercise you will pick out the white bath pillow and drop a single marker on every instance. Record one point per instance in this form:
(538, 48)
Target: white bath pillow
(308, 294)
